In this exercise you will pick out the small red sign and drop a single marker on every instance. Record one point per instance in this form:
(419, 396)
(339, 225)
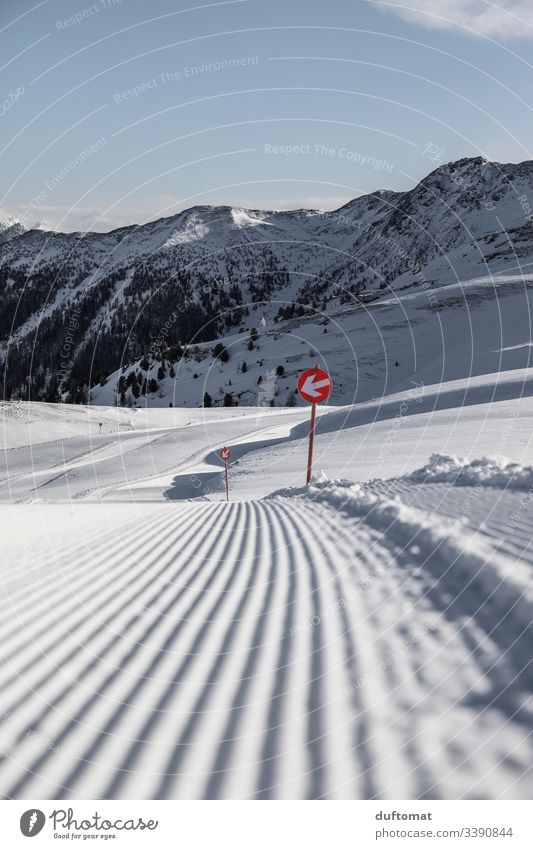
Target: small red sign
(225, 454)
(315, 385)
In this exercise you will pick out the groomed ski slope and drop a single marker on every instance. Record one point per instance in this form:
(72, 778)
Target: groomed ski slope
(289, 648)
(350, 640)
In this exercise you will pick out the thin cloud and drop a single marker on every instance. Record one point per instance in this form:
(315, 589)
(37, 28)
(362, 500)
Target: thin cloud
(503, 19)
(306, 202)
(72, 219)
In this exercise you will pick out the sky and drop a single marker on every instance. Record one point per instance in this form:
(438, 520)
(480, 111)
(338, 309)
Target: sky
(121, 111)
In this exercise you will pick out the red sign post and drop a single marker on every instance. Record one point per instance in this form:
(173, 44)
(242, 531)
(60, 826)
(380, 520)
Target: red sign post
(225, 455)
(314, 386)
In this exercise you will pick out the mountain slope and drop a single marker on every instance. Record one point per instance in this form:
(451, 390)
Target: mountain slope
(74, 307)
(413, 338)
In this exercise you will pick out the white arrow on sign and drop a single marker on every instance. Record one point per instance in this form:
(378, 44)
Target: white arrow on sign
(311, 386)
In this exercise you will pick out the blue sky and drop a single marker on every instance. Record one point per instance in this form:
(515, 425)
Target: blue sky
(122, 111)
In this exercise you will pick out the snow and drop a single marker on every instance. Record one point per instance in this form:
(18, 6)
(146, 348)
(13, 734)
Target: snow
(7, 221)
(243, 218)
(373, 351)
(487, 471)
(366, 637)
(194, 231)
(458, 550)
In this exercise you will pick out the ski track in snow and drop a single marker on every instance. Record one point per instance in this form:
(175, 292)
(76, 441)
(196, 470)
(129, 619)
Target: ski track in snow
(339, 641)
(263, 649)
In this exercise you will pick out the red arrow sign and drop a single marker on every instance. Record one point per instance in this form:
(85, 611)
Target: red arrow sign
(225, 454)
(315, 385)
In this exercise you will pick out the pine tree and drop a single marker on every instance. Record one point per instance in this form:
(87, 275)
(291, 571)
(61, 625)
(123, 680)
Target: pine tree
(208, 401)
(135, 388)
(221, 353)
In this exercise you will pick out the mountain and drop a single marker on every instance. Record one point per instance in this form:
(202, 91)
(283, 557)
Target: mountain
(76, 307)
(9, 227)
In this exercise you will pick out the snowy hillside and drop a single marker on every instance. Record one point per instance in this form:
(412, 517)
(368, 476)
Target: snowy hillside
(210, 271)
(408, 339)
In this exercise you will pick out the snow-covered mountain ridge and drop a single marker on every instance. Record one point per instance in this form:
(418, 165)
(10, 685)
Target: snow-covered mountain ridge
(75, 307)
(9, 227)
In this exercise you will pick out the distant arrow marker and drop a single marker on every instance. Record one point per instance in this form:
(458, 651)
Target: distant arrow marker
(225, 453)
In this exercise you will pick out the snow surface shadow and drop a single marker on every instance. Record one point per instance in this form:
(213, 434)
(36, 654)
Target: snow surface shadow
(511, 677)
(197, 483)
(101, 624)
(178, 678)
(222, 759)
(270, 751)
(316, 696)
(87, 758)
(208, 691)
(420, 400)
(361, 748)
(194, 485)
